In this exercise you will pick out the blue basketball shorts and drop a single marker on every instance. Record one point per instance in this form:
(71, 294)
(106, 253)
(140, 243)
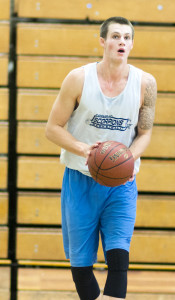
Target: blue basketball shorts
(89, 210)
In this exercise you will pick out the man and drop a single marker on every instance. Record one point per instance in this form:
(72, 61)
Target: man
(98, 91)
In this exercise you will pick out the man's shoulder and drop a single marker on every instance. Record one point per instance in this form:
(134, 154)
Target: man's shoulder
(77, 75)
(148, 85)
(74, 78)
(145, 75)
(148, 78)
(77, 72)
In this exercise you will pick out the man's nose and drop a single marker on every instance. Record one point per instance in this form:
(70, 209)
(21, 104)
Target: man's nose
(122, 41)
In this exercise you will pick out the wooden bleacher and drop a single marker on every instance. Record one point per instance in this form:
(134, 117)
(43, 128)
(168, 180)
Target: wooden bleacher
(45, 208)
(41, 39)
(60, 280)
(156, 176)
(4, 45)
(141, 11)
(3, 168)
(46, 244)
(25, 295)
(4, 262)
(165, 107)
(35, 105)
(46, 52)
(3, 241)
(4, 93)
(48, 72)
(5, 281)
(3, 68)
(4, 137)
(37, 169)
(4, 9)
(39, 208)
(33, 173)
(4, 36)
(95, 10)
(3, 208)
(4, 104)
(31, 139)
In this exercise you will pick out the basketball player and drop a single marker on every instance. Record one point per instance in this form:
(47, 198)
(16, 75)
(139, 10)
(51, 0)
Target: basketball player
(105, 100)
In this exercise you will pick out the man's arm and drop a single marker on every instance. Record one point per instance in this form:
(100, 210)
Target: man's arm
(146, 116)
(62, 109)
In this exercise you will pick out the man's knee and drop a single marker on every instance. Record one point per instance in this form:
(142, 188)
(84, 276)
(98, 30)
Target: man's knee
(118, 262)
(85, 282)
(82, 275)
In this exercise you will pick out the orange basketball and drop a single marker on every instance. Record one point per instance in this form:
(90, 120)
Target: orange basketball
(111, 163)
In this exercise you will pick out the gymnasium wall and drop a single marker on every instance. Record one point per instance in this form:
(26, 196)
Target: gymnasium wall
(40, 42)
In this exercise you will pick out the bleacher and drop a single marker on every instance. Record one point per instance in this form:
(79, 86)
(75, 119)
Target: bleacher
(50, 39)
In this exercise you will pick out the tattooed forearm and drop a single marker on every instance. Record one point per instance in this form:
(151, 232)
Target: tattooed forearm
(146, 118)
(147, 111)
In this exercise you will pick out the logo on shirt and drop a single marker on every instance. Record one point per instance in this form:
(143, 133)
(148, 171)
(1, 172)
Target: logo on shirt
(110, 122)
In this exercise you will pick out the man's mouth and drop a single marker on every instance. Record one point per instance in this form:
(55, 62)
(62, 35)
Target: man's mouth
(121, 50)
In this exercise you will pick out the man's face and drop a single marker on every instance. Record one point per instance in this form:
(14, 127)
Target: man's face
(118, 42)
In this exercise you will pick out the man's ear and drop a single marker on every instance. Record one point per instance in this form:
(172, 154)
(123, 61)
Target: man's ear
(132, 44)
(102, 41)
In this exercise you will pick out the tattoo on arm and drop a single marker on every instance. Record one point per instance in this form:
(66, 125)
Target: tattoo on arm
(147, 111)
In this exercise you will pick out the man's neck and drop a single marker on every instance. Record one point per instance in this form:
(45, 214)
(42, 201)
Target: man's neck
(112, 80)
(112, 72)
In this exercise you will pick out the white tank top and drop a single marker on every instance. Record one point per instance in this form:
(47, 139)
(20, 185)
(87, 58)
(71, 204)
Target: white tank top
(102, 118)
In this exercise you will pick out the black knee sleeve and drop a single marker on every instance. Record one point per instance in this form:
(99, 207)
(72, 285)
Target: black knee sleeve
(116, 283)
(85, 282)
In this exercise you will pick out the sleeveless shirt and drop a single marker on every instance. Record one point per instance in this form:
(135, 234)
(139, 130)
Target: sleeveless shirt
(102, 118)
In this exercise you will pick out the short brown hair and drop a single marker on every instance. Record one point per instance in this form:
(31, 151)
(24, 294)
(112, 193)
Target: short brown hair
(120, 20)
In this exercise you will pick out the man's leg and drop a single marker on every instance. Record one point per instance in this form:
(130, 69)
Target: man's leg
(109, 298)
(86, 283)
(116, 283)
(116, 227)
(103, 297)
(99, 298)
(80, 226)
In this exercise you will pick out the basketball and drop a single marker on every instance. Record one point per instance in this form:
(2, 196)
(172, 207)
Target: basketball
(111, 163)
